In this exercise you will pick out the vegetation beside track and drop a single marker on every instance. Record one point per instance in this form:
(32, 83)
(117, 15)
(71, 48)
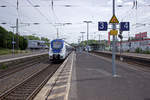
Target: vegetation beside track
(6, 38)
(4, 51)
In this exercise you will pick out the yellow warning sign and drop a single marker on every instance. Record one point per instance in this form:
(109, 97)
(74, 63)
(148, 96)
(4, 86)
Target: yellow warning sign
(114, 19)
(113, 32)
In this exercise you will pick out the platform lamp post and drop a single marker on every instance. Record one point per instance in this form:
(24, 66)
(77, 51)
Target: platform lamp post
(82, 39)
(87, 22)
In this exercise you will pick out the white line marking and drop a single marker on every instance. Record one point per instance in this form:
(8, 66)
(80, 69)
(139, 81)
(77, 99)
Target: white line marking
(69, 80)
(62, 77)
(59, 81)
(56, 95)
(58, 87)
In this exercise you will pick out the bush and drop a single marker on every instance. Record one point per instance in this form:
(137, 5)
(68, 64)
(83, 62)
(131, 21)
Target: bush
(146, 52)
(138, 50)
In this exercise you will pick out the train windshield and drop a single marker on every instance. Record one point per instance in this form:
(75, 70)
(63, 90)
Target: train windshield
(57, 45)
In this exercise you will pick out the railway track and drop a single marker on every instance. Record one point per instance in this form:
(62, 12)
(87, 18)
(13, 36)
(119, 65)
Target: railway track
(19, 67)
(27, 89)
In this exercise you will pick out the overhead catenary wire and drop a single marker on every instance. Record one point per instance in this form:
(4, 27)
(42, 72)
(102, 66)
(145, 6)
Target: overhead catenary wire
(50, 13)
(53, 10)
(8, 3)
(40, 12)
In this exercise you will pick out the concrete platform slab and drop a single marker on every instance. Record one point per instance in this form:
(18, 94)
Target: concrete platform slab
(92, 80)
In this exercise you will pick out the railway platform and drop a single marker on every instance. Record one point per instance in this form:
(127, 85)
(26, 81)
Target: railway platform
(89, 77)
(8, 56)
(11, 58)
(92, 80)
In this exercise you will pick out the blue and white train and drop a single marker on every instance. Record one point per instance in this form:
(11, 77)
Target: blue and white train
(59, 50)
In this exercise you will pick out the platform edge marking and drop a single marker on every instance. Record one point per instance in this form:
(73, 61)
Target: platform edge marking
(69, 80)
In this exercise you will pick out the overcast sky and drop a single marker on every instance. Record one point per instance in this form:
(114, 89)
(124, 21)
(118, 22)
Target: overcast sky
(79, 11)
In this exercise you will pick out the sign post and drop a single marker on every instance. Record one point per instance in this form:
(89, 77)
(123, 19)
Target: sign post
(124, 26)
(114, 32)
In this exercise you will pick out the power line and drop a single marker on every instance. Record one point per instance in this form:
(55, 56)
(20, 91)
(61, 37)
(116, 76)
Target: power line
(39, 12)
(8, 3)
(48, 11)
(53, 11)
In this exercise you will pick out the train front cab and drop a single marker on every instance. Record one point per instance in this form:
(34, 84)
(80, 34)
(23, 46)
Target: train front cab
(56, 51)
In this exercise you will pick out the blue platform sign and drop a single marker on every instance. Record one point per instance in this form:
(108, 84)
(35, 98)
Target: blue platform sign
(102, 26)
(124, 26)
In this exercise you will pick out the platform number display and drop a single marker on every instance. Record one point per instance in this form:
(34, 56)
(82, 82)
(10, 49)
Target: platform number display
(124, 26)
(102, 26)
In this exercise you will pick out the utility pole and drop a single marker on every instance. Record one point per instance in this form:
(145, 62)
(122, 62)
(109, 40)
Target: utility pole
(99, 38)
(114, 45)
(17, 26)
(87, 22)
(57, 33)
(82, 37)
(13, 41)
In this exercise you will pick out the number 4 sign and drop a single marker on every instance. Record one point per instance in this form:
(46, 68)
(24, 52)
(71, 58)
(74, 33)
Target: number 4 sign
(124, 26)
(102, 26)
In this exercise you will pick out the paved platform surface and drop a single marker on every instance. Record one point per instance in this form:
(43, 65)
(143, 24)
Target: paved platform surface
(92, 80)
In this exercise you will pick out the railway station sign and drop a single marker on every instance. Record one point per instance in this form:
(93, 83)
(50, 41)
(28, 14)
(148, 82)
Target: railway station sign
(124, 26)
(13, 42)
(113, 32)
(114, 20)
(102, 26)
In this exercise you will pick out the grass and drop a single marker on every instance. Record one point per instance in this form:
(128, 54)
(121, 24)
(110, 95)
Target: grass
(3, 66)
(4, 51)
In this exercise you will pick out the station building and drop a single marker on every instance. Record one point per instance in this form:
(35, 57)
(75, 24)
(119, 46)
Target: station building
(140, 41)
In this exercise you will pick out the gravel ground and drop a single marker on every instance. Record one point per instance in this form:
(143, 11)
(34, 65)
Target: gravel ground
(17, 77)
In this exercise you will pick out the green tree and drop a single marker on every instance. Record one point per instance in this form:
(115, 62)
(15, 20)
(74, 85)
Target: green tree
(44, 39)
(31, 37)
(3, 37)
(6, 39)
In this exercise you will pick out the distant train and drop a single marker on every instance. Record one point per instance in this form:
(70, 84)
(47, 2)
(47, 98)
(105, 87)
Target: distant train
(59, 50)
(37, 44)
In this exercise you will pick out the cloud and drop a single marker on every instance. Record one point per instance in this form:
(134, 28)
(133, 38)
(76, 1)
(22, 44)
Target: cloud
(80, 10)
